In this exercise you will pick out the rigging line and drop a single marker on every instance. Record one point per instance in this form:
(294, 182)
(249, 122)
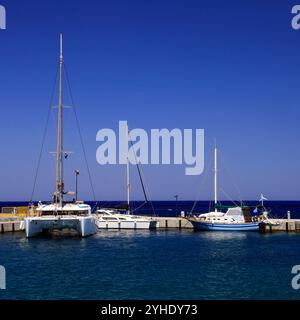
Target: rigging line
(44, 136)
(139, 207)
(201, 186)
(147, 189)
(141, 179)
(147, 192)
(79, 131)
(231, 176)
(230, 198)
(211, 204)
(95, 207)
(139, 172)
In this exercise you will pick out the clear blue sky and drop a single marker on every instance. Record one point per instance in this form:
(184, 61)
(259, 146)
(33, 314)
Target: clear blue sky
(230, 67)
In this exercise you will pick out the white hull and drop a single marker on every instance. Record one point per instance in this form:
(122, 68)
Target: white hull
(126, 224)
(82, 225)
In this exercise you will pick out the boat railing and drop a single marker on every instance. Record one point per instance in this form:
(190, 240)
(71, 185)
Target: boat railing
(20, 212)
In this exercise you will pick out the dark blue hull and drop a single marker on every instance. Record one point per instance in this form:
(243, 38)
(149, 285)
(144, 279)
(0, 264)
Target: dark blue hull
(199, 225)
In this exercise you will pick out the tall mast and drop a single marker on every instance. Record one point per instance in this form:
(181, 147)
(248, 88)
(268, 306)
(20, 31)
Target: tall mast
(59, 151)
(216, 177)
(127, 169)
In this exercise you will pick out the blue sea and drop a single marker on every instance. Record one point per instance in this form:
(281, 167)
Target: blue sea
(162, 264)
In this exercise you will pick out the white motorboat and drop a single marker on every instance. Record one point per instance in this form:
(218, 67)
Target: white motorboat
(61, 217)
(115, 219)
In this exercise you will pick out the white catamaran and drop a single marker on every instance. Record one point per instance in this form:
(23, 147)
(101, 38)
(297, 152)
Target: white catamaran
(121, 218)
(61, 217)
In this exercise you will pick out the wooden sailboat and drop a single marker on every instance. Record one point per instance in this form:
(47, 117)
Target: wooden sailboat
(234, 219)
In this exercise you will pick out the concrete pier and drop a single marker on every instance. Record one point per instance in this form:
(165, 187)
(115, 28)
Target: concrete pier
(276, 225)
(10, 225)
(13, 225)
(173, 223)
(283, 225)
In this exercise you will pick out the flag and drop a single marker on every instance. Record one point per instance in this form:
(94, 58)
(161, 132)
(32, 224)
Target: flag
(262, 197)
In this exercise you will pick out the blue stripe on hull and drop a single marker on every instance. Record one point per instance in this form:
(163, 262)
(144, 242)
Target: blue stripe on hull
(225, 227)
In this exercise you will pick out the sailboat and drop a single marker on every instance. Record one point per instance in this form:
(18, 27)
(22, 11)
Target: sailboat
(236, 218)
(61, 217)
(122, 217)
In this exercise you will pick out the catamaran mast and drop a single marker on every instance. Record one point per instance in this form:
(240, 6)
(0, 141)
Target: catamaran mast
(127, 169)
(216, 178)
(59, 151)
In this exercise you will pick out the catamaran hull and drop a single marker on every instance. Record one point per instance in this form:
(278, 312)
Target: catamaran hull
(81, 226)
(200, 225)
(126, 224)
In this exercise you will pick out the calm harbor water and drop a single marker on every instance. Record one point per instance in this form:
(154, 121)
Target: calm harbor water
(151, 265)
